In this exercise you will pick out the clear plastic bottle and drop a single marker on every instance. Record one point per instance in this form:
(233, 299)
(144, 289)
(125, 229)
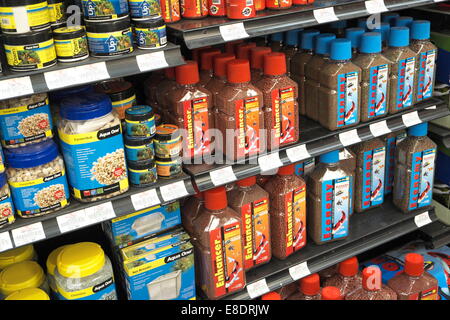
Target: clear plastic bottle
(348, 279)
(243, 50)
(309, 289)
(277, 41)
(206, 65)
(331, 293)
(384, 28)
(354, 35)
(216, 84)
(257, 62)
(291, 47)
(372, 287)
(190, 211)
(165, 89)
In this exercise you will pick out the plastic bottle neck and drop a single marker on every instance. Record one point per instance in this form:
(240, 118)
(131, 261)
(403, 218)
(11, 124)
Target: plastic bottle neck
(189, 86)
(271, 76)
(239, 84)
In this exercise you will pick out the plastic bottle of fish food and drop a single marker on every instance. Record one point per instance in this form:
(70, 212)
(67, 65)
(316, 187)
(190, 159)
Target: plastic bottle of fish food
(348, 279)
(206, 65)
(425, 60)
(391, 140)
(338, 28)
(190, 211)
(403, 59)
(277, 41)
(354, 35)
(216, 84)
(243, 50)
(309, 289)
(389, 17)
(340, 91)
(291, 47)
(257, 62)
(403, 21)
(372, 287)
(218, 246)
(331, 293)
(165, 89)
(384, 28)
(329, 202)
(414, 170)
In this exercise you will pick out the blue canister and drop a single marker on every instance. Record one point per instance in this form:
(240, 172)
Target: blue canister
(109, 38)
(6, 204)
(144, 9)
(139, 149)
(104, 9)
(142, 174)
(140, 121)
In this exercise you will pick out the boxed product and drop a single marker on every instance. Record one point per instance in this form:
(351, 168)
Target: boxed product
(129, 229)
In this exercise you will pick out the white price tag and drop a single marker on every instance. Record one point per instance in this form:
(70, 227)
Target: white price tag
(151, 61)
(146, 199)
(15, 87)
(422, 219)
(299, 271)
(102, 212)
(5, 241)
(375, 6)
(411, 119)
(76, 75)
(270, 162)
(72, 221)
(233, 31)
(222, 176)
(28, 234)
(257, 288)
(349, 137)
(379, 128)
(173, 191)
(439, 0)
(298, 153)
(431, 107)
(325, 15)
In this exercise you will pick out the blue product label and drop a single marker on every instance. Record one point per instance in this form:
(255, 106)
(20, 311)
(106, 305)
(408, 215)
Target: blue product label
(6, 210)
(96, 162)
(377, 103)
(305, 167)
(405, 83)
(107, 44)
(102, 291)
(336, 208)
(151, 37)
(141, 128)
(373, 177)
(106, 9)
(421, 183)
(25, 123)
(140, 153)
(347, 99)
(144, 8)
(143, 177)
(391, 146)
(427, 64)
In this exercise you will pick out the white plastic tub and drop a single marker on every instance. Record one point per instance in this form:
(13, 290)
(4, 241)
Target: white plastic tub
(148, 224)
(165, 287)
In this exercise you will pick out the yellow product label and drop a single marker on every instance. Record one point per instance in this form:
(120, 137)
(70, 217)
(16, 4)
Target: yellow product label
(56, 12)
(37, 17)
(39, 55)
(35, 182)
(72, 48)
(21, 108)
(122, 102)
(82, 138)
(2, 167)
(97, 292)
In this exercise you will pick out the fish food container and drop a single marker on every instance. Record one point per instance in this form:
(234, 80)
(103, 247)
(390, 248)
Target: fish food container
(121, 93)
(109, 38)
(165, 287)
(148, 224)
(142, 174)
(25, 253)
(168, 168)
(37, 178)
(71, 44)
(29, 51)
(28, 294)
(144, 9)
(140, 121)
(150, 34)
(104, 10)
(170, 10)
(6, 204)
(20, 16)
(167, 141)
(57, 12)
(51, 266)
(139, 149)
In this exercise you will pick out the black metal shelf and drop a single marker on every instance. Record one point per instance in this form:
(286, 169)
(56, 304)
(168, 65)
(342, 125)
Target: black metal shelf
(91, 70)
(436, 234)
(200, 33)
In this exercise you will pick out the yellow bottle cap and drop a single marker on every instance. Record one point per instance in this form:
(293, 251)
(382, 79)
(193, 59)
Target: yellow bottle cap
(22, 275)
(51, 260)
(20, 254)
(28, 294)
(80, 260)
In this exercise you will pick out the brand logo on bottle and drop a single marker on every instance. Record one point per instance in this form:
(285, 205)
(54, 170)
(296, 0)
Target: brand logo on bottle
(405, 83)
(112, 44)
(421, 184)
(426, 75)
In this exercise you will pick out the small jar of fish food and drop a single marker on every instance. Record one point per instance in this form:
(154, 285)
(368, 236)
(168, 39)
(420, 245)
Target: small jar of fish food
(104, 10)
(139, 149)
(6, 204)
(20, 16)
(71, 44)
(109, 38)
(57, 12)
(140, 121)
(142, 174)
(144, 9)
(150, 34)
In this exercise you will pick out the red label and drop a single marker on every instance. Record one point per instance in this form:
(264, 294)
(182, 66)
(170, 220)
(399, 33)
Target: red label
(196, 123)
(217, 8)
(43, 124)
(6, 212)
(170, 10)
(240, 9)
(275, 4)
(194, 8)
(428, 294)
(118, 172)
(59, 194)
(247, 125)
(295, 215)
(283, 116)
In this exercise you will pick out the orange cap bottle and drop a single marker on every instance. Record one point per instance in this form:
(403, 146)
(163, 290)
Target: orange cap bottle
(257, 57)
(349, 267)
(243, 50)
(188, 73)
(216, 199)
(247, 182)
(238, 71)
(271, 296)
(220, 63)
(286, 170)
(414, 264)
(310, 285)
(206, 58)
(331, 293)
(275, 64)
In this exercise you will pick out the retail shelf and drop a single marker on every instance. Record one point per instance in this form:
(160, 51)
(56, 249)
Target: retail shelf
(367, 231)
(79, 215)
(436, 235)
(314, 140)
(211, 31)
(65, 75)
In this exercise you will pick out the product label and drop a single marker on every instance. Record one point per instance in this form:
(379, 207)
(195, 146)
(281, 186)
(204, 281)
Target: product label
(72, 49)
(170, 10)
(377, 96)
(217, 8)
(144, 8)
(57, 12)
(104, 9)
(428, 294)
(405, 83)
(168, 169)
(122, 105)
(140, 153)
(373, 177)
(347, 99)
(427, 64)
(226, 259)
(295, 215)
(30, 57)
(141, 128)
(421, 181)
(247, 124)
(391, 146)
(6, 210)
(105, 290)
(151, 37)
(279, 4)
(25, 18)
(194, 8)
(283, 116)
(110, 44)
(143, 177)
(25, 123)
(256, 232)
(98, 162)
(196, 123)
(305, 167)
(336, 208)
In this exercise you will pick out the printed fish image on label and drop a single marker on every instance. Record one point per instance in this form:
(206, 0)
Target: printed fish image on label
(283, 113)
(427, 65)
(405, 83)
(196, 123)
(377, 103)
(373, 177)
(247, 124)
(295, 213)
(421, 182)
(347, 99)
(104, 9)
(144, 8)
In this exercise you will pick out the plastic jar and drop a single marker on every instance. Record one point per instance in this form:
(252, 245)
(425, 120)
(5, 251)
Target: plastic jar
(144, 9)
(194, 9)
(140, 121)
(238, 9)
(150, 33)
(121, 93)
(22, 275)
(103, 10)
(170, 10)
(37, 179)
(139, 150)
(84, 272)
(142, 174)
(28, 294)
(168, 168)
(51, 266)
(57, 96)
(278, 4)
(167, 141)
(6, 204)
(56, 11)
(30, 51)
(89, 124)
(217, 8)
(70, 44)
(109, 38)
(25, 253)
(20, 16)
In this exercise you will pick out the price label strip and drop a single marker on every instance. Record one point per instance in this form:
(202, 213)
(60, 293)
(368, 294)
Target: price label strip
(16, 87)
(152, 61)
(100, 213)
(270, 162)
(222, 176)
(257, 288)
(233, 31)
(72, 221)
(422, 219)
(299, 271)
(325, 15)
(379, 128)
(173, 191)
(349, 137)
(375, 6)
(298, 153)
(431, 107)
(28, 234)
(76, 75)
(5, 241)
(411, 119)
(146, 199)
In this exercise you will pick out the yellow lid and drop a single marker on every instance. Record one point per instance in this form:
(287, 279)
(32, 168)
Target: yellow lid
(28, 294)
(20, 254)
(22, 275)
(51, 260)
(80, 260)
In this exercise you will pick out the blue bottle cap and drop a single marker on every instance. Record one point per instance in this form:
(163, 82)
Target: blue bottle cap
(403, 21)
(32, 155)
(419, 130)
(384, 29)
(341, 49)
(420, 30)
(389, 17)
(2, 179)
(354, 35)
(277, 36)
(330, 157)
(322, 42)
(340, 24)
(307, 38)
(89, 106)
(293, 37)
(370, 42)
(362, 23)
(399, 37)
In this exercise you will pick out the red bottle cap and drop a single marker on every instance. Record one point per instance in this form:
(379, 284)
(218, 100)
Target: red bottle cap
(196, 52)
(238, 71)
(414, 264)
(331, 293)
(275, 64)
(170, 73)
(271, 296)
(243, 50)
(231, 46)
(310, 285)
(187, 73)
(216, 199)
(247, 182)
(257, 57)
(207, 58)
(349, 267)
(286, 170)
(220, 63)
(371, 278)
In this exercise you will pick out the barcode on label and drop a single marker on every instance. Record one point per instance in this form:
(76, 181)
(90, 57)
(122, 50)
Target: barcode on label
(257, 288)
(248, 3)
(216, 2)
